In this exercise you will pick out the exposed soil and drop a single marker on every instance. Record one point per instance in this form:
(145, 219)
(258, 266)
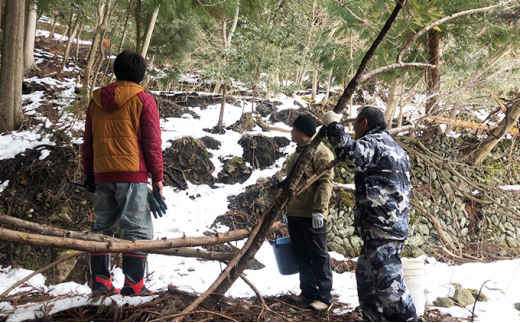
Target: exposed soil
(247, 207)
(260, 151)
(287, 116)
(281, 141)
(168, 108)
(187, 160)
(39, 191)
(266, 107)
(195, 99)
(245, 123)
(210, 142)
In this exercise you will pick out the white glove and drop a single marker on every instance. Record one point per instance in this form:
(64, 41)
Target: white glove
(331, 117)
(317, 220)
(284, 218)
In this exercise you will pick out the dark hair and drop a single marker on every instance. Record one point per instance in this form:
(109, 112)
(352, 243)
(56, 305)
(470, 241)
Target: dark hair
(129, 66)
(375, 118)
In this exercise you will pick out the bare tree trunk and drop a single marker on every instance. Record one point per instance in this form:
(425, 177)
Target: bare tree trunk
(314, 84)
(277, 83)
(401, 105)
(101, 50)
(97, 39)
(433, 75)
(147, 78)
(105, 73)
(327, 90)
(99, 62)
(11, 71)
(227, 37)
(123, 36)
(268, 92)
(221, 115)
(71, 36)
(1, 13)
(149, 32)
(216, 89)
(78, 39)
(30, 36)
(53, 28)
(97, 66)
(296, 80)
(393, 101)
(453, 116)
(137, 16)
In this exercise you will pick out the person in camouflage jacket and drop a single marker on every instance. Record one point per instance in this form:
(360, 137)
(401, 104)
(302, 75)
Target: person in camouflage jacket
(382, 192)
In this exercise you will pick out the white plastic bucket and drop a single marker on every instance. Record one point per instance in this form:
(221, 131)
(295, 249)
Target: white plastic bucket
(413, 277)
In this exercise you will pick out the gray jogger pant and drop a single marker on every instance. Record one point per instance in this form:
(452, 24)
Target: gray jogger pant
(123, 206)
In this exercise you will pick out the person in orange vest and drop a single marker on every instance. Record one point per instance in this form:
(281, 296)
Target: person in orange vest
(121, 147)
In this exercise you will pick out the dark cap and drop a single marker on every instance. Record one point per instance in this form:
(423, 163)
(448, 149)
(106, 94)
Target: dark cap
(306, 124)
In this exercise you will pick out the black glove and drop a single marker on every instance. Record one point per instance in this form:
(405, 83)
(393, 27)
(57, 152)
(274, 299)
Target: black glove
(157, 205)
(90, 183)
(282, 184)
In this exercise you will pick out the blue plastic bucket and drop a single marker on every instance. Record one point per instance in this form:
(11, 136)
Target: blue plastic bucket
(284, 257)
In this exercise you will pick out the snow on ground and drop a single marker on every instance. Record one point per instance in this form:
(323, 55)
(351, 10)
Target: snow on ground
(192, 217)
(46, 33)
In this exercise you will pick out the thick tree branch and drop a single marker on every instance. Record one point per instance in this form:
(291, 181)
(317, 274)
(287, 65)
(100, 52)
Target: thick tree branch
(351, 87)
(443, 20)
(57, 232)
(116, 246)
(395, 67)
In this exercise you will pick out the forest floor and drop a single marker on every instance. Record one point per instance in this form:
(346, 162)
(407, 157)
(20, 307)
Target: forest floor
(168, 305)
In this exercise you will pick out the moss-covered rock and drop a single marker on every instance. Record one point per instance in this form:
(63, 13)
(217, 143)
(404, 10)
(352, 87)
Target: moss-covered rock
(463, 297)
(481, 297)
(444, 302)
(234, 171)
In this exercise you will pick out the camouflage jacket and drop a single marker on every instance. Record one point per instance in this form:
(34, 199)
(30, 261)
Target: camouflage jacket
(382, 180)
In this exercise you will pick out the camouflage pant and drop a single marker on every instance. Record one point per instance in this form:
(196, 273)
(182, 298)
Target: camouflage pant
(381, 290)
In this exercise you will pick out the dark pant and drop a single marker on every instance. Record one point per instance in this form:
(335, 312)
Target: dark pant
(310, 249)
(382, 293)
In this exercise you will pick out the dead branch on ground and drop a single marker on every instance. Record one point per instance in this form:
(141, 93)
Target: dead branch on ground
(77, 254)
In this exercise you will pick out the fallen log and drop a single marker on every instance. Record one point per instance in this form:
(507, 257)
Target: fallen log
(466, 124)
(85, 236)
(123, 245)
(266, 127)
